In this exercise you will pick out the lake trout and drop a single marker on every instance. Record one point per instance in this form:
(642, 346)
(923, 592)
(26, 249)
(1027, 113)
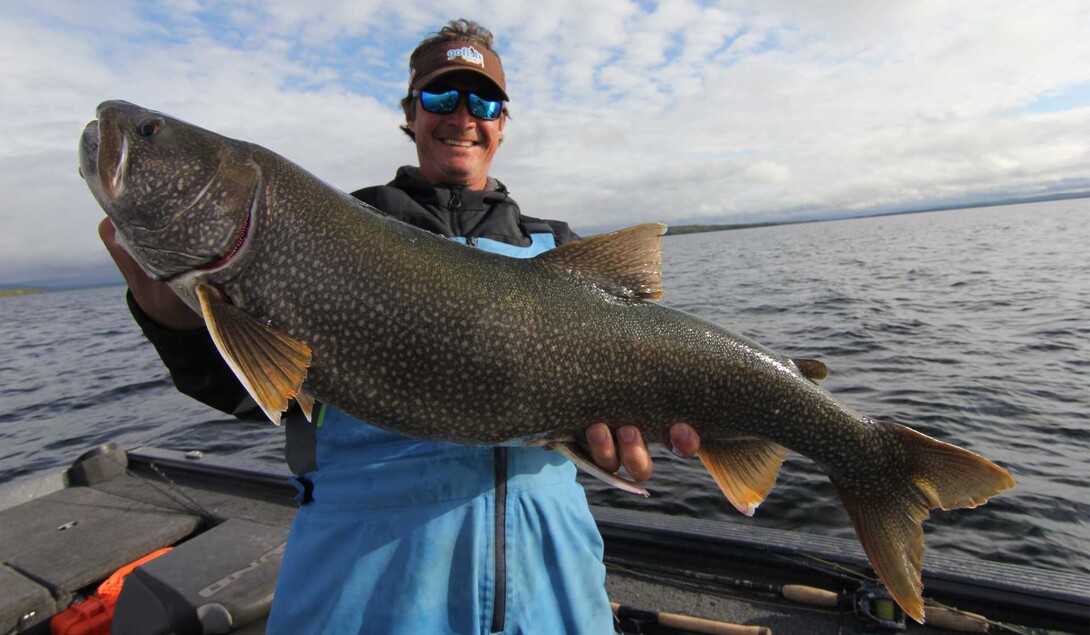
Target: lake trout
(310, 294)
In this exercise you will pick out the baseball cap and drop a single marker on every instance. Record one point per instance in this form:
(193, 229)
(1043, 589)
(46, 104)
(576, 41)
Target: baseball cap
(448, 57)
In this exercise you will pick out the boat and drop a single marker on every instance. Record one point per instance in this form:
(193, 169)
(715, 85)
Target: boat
(63, 533)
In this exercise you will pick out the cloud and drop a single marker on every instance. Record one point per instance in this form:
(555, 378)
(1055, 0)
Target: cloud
(870, 108)
(627, 112)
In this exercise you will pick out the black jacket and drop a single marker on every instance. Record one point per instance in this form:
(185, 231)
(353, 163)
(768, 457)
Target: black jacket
(455, 211)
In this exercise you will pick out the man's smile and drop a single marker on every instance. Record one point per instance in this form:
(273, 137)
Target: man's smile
(459, 143)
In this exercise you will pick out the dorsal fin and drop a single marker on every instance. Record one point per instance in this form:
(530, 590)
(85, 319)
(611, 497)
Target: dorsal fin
(626, 263)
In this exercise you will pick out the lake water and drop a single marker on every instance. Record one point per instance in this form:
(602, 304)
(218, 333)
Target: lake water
(972, 326)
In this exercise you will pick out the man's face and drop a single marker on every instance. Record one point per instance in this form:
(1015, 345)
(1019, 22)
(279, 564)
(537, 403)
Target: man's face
(456, 149)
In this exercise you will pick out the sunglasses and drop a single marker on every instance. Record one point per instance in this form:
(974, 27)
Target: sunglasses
(447, 102)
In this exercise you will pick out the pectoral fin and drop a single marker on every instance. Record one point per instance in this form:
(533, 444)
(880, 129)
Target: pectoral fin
(270, 364)
(577, 455)
(745, 470)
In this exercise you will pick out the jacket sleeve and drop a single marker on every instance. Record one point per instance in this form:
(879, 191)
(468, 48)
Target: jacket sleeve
(563, 233)
(196, 366)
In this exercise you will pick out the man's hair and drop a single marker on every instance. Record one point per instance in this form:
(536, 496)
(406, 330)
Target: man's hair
(460, 30)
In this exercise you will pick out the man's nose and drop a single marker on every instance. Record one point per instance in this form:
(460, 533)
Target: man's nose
(461, 111)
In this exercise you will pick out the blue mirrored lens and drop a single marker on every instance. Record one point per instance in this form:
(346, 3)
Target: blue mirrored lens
(439, 103)
(446, 103)
(484, 108)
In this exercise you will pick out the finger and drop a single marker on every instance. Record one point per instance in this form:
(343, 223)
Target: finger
(684, 440)
(125, 262)
(602, 449)
(155, 298)
(134, 276)
(106, 231)
(634, 455)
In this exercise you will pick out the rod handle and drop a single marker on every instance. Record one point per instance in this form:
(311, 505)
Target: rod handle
(956, 620)
(689, 623)
(810, 595)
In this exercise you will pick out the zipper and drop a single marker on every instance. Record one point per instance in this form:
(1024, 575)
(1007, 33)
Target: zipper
(499, 457)
(499, 606)
(453, 204)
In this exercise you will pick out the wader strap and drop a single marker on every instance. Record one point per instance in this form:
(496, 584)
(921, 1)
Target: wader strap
(300, 442)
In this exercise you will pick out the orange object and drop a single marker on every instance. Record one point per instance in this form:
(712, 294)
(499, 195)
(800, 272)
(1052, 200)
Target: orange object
(111, 587)
(94, 615)
(89, 617)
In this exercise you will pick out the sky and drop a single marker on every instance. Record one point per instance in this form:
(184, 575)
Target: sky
(622, 112)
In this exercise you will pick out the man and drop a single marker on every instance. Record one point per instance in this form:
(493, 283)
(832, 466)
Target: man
(399, 535)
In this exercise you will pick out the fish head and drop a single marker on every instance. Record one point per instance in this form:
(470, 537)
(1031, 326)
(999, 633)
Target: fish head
(181, 197)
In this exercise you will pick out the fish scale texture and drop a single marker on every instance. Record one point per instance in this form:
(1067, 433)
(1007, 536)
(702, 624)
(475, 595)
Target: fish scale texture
(510, 349)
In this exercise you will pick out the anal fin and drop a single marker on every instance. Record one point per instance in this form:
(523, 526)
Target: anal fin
(745, 470)
(270, 364)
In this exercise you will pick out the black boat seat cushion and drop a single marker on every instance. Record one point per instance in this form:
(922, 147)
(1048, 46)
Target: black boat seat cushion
(217, 582)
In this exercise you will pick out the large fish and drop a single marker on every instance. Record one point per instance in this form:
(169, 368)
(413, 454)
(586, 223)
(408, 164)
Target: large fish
(309, 293)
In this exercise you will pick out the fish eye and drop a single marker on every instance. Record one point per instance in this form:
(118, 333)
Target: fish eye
(149, 127)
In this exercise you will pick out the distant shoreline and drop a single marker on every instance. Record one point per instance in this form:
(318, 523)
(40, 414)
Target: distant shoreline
(678, 230)
(34, 286)
(12, 292)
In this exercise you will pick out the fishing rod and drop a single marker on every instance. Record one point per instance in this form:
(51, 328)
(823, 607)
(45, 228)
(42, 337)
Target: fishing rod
(939, 614)
(863, 596)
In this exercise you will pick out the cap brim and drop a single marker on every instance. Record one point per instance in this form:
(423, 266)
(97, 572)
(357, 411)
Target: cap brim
(420, 82)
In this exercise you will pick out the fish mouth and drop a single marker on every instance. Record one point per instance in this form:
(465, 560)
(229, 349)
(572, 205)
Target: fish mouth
(88, 150)
(103, 157)
(89, 144)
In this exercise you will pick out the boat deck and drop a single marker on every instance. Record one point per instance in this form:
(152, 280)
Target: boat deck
(716, 571)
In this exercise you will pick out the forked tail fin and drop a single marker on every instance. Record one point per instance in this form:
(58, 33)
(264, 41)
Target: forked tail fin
(888, 515)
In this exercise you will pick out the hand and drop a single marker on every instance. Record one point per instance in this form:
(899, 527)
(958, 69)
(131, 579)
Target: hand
(633, 451)
(154, 297)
